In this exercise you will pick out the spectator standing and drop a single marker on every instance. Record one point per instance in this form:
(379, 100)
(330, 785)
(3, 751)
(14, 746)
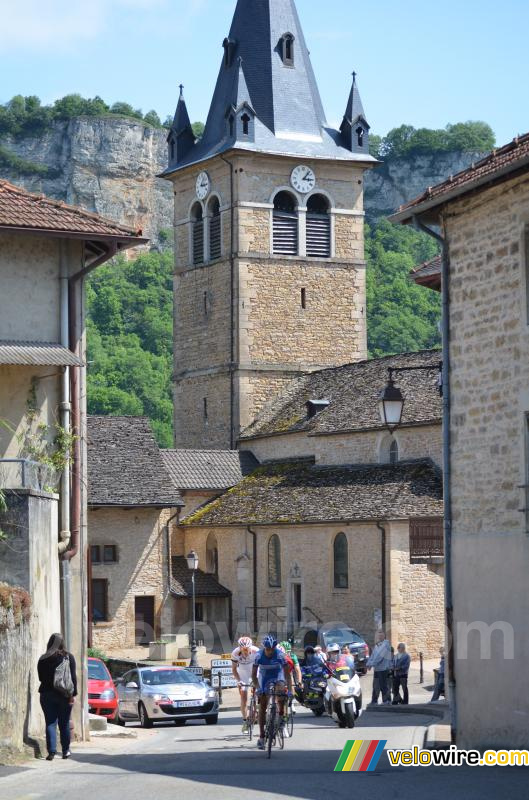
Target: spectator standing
(57, 707)
(380, 662)
(401, 668)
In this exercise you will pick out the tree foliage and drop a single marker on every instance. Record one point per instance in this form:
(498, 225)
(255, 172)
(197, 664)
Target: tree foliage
(407, 141)
(130, 340)
(401, 316)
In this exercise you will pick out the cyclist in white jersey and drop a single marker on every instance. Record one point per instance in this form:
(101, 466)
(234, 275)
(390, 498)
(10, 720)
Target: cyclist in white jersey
(242, 661)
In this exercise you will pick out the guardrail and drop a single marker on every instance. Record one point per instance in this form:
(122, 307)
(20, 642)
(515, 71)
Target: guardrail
(23, 473)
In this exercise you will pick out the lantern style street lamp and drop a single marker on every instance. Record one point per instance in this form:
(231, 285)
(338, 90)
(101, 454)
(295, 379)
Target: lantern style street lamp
(391, 400)
(192, 563)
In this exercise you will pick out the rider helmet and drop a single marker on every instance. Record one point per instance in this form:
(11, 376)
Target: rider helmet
(269, 642)
(333, 652)
(287, 647)
(245, 642)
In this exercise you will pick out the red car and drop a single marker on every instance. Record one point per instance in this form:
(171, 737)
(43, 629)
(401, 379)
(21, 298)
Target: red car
(102, 695)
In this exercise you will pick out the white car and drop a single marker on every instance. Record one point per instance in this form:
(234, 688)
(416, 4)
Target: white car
(156, 694)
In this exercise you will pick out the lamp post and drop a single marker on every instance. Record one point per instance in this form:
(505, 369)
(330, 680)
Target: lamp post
(391, 400)
(192, 563)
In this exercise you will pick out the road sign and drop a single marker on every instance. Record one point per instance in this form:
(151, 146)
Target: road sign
(222, 675)
(220, 662)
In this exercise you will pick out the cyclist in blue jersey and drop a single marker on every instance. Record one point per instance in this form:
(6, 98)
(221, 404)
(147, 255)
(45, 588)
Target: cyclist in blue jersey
(270, 667)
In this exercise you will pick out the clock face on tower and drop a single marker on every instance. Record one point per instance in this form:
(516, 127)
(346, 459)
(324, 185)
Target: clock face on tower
(203, 185)
(303, 179)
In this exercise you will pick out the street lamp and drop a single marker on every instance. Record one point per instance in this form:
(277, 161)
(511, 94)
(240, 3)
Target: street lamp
(390, 399)
(192, 563)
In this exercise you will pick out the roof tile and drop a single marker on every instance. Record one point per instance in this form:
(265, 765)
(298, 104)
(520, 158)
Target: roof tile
(208, 469)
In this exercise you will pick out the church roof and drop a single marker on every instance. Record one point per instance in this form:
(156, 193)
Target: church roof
(352, 391)
(206, 585)
(289, 115)
(208, 469)
(302, 492)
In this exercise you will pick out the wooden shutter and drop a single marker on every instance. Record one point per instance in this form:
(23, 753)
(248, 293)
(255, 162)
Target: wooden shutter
(319, 235)
(285, 233)
(426, 540)
(198, 242)
(214, 237)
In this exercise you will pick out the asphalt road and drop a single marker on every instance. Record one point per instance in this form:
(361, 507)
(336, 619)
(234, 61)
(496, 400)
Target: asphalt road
(202, 762)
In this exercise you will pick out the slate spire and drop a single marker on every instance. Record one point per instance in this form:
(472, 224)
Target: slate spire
(181, 137)
(355, 128)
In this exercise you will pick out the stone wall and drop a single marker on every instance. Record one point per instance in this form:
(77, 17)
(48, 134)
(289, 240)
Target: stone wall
(141, 570)
(489, 342)
(15, 683)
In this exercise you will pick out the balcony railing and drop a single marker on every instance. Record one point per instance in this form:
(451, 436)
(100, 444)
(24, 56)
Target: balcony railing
(22, 473)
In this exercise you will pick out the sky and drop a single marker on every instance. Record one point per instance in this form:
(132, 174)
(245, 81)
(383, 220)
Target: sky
(421, 63)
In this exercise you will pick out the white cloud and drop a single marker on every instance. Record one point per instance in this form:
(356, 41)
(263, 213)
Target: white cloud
(58, 25)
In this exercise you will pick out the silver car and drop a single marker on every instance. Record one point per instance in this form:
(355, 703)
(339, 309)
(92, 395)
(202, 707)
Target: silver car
(155, 694)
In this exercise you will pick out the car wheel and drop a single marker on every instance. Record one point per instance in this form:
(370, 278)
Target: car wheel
(145, 720)
(180, 722)
(118, 719)
(212, 720)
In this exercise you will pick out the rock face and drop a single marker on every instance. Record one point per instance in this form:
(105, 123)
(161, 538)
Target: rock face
(109, 165)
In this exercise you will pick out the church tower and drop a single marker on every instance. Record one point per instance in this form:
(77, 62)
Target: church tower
(269, 262)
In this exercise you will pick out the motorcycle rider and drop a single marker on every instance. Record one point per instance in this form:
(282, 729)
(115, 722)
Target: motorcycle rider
(242, 660)
(339, 664)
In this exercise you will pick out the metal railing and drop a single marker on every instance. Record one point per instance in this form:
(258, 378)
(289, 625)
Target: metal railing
(23, 473)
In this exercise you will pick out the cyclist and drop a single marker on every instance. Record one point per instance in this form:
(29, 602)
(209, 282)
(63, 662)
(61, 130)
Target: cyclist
(242, 660)
(270, 666)
(287, 647)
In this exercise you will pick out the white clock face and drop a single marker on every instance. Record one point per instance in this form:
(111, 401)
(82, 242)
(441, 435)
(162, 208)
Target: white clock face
(303, 179)
(203, 185)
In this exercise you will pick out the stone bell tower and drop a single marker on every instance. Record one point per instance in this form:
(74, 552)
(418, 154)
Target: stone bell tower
(269, 263)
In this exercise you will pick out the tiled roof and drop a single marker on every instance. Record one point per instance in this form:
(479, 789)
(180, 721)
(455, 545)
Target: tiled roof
(300, 492)
(428, 273)
(353, 392)
(21, 209)
(37, 353)
(124, 465)
(500, 161)
(208, 469)
(206, 585)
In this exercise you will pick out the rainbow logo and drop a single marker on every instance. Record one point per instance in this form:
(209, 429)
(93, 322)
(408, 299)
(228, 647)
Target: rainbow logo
(360, 755)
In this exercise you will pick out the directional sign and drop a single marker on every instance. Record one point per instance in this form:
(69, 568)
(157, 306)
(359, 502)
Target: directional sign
(221, 662)
(221, 674)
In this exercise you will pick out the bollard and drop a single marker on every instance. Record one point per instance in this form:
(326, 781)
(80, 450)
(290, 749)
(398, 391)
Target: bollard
(421, 668)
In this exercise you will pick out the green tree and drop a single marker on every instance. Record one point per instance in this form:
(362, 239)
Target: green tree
(153, 119)
(468, 136)
(198, 129)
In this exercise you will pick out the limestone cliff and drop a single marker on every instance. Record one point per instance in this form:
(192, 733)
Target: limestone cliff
(109, 165)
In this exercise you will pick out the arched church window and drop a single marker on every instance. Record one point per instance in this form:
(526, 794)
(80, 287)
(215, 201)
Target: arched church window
(197, 234)
(214, 228)
(285, 224)
(360, 136)
(245, 119)
(287, 49)
(318, 227)
(341, 561)
(212, 555)
(394, 452)
(274, 562)
(389, 450)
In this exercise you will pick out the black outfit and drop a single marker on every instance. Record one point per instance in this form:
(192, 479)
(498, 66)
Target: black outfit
(56, 708)
(398, 681)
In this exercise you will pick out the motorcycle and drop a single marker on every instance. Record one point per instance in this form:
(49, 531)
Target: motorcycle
(313, 689)
(343, 696)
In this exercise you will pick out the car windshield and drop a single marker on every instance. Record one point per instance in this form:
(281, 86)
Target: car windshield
(97, 671)
(167, 677)
(341, 636)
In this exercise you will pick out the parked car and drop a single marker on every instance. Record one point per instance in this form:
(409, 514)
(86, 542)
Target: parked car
(102, 695)
(337, 634)
(158, 694)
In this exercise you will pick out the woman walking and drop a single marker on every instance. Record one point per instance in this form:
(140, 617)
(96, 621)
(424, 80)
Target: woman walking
(56, 705)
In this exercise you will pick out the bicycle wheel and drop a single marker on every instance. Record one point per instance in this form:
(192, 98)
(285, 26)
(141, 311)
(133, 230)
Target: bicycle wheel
(271, 728)
(280, 737)
(290, 719)
(252, 717)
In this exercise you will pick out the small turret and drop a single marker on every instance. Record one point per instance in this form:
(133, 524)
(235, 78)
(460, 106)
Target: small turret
(355, 128)
(240, 114)
(181, 137)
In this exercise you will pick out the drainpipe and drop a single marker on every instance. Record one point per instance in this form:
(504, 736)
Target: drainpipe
(232, 302)
(168, 542)
(447, 474)
(64, 405)
(383, 570)
(254, 564)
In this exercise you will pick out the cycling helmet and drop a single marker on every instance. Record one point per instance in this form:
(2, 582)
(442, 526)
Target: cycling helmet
(245, 641)
(269, 641)
(333, 648)
(287, 647)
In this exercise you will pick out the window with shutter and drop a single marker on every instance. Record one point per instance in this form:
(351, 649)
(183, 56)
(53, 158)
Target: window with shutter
(426, 541)
(197, 223)
(214, 229)
(341, 562)
(318, 227)
(285, 225)
(274, 562)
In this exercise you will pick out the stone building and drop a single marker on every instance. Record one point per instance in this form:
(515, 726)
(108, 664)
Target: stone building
(269, 269)
(46, 250)
(341, 520)
(483, 214)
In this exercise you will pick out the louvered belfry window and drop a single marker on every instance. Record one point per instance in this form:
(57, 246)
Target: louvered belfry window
(214, 229)
(285, 228)
(197, 223)
(318, 227)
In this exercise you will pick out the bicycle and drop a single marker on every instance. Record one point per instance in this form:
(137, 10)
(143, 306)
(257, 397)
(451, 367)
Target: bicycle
(273, 728)
(289, 722)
